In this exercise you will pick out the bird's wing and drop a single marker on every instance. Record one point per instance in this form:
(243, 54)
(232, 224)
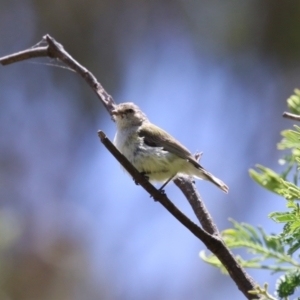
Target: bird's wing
(156, 137)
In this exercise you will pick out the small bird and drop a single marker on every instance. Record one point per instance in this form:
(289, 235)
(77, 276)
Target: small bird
(153, 151)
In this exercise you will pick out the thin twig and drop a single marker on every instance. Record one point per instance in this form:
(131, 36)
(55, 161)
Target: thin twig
(24, 55)
(187, 186)
(56, 50)
(291, 116)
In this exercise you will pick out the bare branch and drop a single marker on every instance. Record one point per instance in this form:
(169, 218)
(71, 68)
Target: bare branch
(56, 50)
(291, 116)
(24, 55)
(209, 235)
(188, 188)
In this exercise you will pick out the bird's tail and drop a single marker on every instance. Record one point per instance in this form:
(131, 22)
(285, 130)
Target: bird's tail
(219, 183)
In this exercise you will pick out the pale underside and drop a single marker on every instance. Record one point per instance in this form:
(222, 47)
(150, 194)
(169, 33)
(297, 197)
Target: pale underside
(156, 163)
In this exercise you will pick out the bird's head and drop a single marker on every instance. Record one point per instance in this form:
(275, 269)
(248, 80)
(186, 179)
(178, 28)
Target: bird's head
(128, 114)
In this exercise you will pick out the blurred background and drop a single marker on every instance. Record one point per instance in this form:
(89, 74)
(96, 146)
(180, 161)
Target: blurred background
(215, 74)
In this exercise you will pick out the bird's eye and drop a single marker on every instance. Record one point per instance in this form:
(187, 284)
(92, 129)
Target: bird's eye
(129, 110)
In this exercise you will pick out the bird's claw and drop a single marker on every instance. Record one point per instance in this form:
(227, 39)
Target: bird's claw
(162, 191)
(144, 175)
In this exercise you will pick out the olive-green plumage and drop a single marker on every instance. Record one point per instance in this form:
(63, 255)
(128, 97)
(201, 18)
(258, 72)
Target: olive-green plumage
(152, 150)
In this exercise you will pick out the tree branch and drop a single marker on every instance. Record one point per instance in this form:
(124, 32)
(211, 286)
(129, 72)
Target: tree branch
(56, 50)
(209, 235)
(24, 55)
(188, 188)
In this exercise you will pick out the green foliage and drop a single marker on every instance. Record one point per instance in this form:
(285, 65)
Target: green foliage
(280, 252)
(268, 179)
(287, 284)
(294, 102)
(262, 292)
(258, 243)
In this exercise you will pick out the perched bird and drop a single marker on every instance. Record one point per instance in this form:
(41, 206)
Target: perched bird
(153, 151)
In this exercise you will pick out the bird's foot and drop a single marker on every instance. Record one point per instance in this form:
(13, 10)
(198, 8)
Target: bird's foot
(161, 191)
(144, 175)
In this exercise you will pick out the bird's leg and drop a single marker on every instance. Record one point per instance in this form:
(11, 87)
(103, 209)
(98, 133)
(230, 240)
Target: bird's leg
(162, 187)
(144, 175)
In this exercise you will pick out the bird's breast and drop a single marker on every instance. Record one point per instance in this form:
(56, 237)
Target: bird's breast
(127, 141)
